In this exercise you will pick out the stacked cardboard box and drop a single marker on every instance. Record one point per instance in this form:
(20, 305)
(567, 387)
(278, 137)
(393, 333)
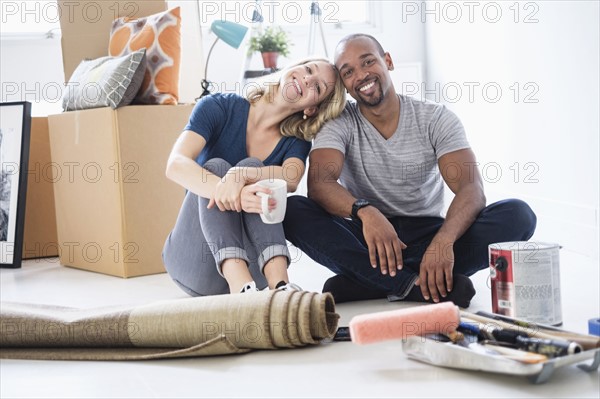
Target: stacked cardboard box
(114, 205)
(40, 239)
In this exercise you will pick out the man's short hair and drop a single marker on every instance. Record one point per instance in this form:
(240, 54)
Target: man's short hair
(353, 36)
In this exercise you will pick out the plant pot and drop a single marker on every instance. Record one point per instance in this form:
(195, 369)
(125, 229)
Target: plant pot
(270, 59)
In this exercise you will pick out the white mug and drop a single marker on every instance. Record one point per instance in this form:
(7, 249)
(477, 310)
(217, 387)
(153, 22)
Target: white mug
(278, 189)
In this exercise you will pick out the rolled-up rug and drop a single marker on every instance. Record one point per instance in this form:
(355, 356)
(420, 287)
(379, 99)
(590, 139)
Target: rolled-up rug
(203, 326)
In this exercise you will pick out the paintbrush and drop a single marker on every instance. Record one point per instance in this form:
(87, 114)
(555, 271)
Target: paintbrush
(514, 354)
(520, 340)
(586, 342)
(468, 335)
(517, 322)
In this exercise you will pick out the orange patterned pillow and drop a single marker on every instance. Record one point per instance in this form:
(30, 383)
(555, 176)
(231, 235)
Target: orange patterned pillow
(160, 35)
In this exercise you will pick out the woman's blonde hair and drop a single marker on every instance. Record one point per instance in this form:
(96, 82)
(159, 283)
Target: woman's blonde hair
(295, 125)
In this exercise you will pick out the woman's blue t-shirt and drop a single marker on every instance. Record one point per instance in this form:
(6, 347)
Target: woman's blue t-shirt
(222, 120)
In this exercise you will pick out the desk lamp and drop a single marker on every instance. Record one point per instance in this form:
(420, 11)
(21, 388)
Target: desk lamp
(232, 34)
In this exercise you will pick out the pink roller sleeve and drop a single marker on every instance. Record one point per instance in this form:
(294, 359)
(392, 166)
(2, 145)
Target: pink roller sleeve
(398, 324)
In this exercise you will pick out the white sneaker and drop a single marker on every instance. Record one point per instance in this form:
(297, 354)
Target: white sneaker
(289, 287)
(249, 287)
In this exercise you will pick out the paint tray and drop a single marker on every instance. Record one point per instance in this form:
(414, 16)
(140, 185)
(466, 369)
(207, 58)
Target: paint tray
(447, 354)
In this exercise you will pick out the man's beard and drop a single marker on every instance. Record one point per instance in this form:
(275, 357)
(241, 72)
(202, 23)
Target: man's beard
(371, 101)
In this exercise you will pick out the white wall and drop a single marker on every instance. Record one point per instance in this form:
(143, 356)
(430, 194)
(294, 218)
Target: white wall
(550, 137)
(32, 70)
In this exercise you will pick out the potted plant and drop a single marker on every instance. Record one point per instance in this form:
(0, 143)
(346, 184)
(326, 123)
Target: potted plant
(272, 42)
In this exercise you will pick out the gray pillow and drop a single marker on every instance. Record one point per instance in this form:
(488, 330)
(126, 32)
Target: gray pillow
(105, 82)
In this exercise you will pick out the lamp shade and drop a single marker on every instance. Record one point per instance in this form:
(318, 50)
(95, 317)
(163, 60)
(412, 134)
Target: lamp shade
(230, 32)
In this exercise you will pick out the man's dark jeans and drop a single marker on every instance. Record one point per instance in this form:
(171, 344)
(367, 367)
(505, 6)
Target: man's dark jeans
(338, 243)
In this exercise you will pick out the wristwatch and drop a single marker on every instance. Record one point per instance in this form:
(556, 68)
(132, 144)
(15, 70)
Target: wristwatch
(358, 204)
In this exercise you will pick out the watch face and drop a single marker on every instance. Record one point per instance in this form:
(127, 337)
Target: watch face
(360, 203)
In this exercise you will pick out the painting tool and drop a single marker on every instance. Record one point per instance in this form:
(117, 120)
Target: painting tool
(498, 337)
(549, 347)
(586, 342)
(441, 318)
(468, 336)
(521, 340)
(444, 318)
(514, 354)
(516, 322)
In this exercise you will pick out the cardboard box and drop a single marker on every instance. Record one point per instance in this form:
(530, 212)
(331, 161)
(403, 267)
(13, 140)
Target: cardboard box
(114, 204)
(86, 25)
(40, 240)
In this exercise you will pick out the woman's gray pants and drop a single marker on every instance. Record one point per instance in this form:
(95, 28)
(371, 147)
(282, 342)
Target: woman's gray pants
(203, 238)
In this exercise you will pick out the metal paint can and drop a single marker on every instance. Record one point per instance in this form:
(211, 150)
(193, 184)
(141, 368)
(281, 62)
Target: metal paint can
(525, 281)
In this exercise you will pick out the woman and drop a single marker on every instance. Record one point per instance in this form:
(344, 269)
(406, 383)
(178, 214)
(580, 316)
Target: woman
(219, 243)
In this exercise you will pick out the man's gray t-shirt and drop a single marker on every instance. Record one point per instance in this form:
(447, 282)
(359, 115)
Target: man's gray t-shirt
(399, 176)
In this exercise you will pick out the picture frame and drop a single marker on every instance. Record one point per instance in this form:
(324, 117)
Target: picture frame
(15, 130)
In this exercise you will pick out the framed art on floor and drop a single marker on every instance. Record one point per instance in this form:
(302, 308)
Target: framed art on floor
(15, 126)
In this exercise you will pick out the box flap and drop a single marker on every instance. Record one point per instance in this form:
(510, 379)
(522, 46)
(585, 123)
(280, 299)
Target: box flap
(86, 26)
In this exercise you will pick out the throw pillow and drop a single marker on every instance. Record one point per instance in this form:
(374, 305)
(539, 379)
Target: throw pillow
(105, 81)
(160, 35)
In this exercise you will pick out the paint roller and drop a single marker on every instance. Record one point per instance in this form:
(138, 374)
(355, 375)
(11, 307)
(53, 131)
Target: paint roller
(442, 318)
(445, 318)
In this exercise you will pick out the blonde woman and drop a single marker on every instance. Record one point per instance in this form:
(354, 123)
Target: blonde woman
(219, 243)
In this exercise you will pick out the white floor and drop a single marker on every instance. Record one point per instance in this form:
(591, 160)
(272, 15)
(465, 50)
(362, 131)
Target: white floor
(337, 369)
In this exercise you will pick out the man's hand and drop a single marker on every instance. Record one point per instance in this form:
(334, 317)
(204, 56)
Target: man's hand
(435, 277)
(227, 195)
(382, 241)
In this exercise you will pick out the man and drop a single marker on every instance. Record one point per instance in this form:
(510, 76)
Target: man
(379, 228)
